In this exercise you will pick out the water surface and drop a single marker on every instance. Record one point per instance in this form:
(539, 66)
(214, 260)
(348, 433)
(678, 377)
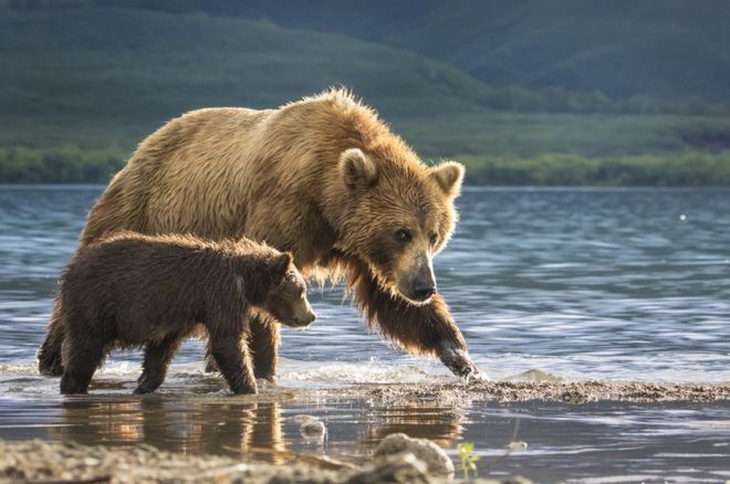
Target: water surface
(578, 283)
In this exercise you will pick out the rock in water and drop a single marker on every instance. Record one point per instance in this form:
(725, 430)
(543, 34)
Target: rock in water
(435, 458)
(313, 430)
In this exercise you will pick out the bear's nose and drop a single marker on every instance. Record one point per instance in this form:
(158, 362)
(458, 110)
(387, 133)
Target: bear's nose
(307, 319)
(423, 290)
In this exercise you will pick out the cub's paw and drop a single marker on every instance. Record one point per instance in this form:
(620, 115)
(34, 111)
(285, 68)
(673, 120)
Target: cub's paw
(147, 384)
(72, 386)
(245, 390)
(144, 389)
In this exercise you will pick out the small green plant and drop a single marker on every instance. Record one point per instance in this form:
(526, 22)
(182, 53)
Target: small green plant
(467, 459)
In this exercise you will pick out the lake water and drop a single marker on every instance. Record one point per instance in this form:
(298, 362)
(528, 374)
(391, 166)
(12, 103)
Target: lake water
(578, 283)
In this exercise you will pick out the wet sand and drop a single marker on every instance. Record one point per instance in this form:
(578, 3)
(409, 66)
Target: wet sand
(581, 391)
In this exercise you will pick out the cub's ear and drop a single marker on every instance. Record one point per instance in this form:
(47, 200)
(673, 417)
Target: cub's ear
(281, 265)
(449, 176)
(357, 170)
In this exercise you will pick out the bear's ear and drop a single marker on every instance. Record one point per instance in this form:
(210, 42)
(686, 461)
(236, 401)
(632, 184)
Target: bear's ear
(449, 176)
(281, 265)
(357, 170)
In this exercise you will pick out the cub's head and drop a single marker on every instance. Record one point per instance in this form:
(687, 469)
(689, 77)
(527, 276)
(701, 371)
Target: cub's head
(400, 215)
(287, 301)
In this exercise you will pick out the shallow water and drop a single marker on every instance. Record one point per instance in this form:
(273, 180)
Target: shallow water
(578, 283)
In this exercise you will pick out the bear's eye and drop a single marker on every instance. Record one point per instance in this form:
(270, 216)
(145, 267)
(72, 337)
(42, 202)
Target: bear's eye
(403, 235)
(433, 238)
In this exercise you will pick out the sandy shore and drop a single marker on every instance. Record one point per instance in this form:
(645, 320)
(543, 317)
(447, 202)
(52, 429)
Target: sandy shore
(37, 461)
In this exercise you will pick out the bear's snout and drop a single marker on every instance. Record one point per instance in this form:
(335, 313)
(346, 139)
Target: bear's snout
(304, 317)
(423, 289)
(421, 284)
(308, 319)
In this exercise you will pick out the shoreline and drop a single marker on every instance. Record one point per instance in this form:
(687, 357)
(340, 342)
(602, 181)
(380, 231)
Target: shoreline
(36, 461)
(201, 433)
(532, 385)
(561, 391)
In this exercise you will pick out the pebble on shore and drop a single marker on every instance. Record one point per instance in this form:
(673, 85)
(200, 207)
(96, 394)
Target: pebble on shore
(435, 458)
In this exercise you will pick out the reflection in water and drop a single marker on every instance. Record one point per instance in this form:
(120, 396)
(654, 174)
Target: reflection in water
(417, 419)
(89, 422)
(671, 441)
(191, 426)
(262, 427)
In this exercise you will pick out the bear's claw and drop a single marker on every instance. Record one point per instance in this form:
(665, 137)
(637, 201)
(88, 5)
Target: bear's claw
(458, 361)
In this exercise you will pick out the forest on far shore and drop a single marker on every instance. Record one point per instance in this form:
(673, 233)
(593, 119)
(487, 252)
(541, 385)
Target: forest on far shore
(82, 82)
(71, 164)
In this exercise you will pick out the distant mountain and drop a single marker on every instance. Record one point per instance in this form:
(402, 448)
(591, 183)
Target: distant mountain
(137, 68)
(661, 48)
(487, 82)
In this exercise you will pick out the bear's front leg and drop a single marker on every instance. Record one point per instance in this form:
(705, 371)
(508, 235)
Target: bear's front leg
(233, 360)
(422, 329)
(263, 343)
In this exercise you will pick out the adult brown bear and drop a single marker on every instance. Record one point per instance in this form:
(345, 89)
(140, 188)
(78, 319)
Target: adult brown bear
(323, 178)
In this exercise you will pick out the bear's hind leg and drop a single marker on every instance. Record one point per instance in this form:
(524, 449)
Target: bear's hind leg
(233, 360)
(157, 358)
(49, 355)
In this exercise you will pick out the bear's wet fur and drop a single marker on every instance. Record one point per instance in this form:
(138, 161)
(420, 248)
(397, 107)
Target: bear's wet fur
(322, 177)
(130, 290)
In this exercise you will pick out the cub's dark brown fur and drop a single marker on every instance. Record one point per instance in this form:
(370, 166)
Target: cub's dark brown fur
(132, 290)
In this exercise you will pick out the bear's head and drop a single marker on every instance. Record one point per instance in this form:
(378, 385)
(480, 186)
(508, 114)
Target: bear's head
(287, 301)
(399, 215)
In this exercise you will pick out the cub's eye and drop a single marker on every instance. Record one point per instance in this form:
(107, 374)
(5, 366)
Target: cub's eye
(403, 235)
(433, 238)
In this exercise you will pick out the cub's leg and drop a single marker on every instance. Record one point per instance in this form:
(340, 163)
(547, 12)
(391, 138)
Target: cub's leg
(82, 354)
(263, 344)
(157, 358)
(233, 359)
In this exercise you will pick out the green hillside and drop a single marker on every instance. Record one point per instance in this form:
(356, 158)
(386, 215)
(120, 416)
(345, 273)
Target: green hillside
(126, 71)
(620, 47)
(81, 85)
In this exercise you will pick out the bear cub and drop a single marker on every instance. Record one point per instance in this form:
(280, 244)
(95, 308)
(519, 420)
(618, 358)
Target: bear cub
(131, 290)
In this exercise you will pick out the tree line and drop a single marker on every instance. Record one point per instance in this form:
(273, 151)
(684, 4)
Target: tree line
(70, 164)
